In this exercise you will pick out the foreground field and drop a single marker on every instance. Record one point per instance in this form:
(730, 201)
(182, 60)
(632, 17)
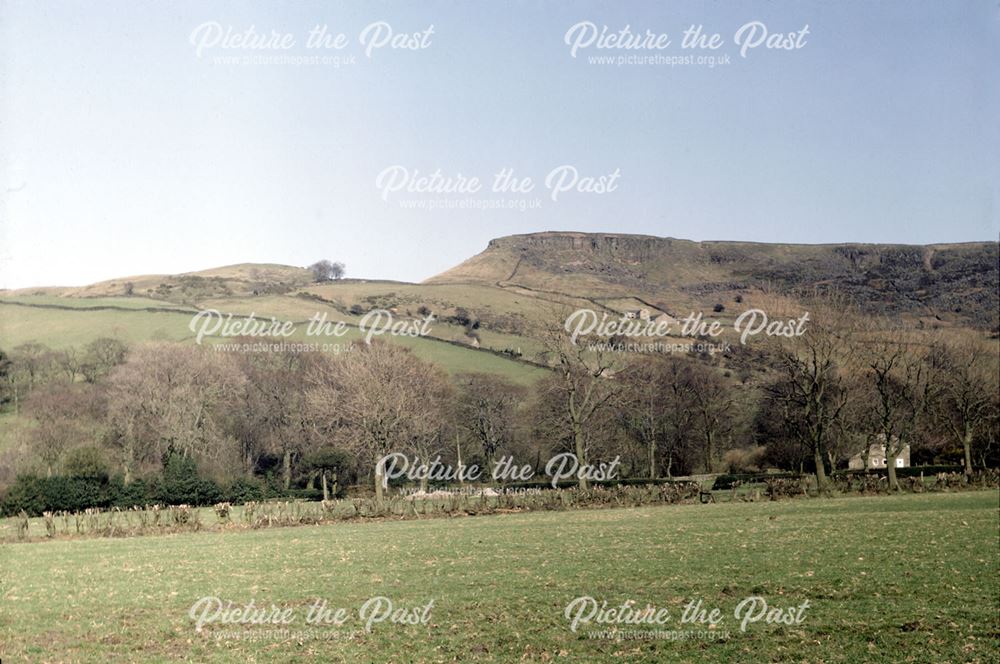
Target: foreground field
(888, 579)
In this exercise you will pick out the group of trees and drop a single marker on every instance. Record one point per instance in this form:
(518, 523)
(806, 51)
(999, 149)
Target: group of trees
(809, 404)
(850, 383)
(325, 270)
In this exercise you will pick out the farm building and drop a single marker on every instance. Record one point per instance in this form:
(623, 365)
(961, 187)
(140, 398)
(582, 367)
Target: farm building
(877, 458)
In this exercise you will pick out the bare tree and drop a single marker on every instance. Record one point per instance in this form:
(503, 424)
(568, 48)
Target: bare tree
(30, 364)
(645, 407)
(486, 410)
(65, 416)
(274, 415)
(712, 404)
(583, 386)
(100, 356)
(898, 377)
(656, 408)
(812, 389)
(376, 399)
(325, 270)
(167, 396)
(896, 380)
(963, 387)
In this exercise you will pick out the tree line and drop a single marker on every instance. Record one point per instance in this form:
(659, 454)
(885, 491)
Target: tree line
(297, 419)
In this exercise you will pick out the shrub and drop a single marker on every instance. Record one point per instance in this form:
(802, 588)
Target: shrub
(243, 490)
(25, 494)
(739, 460)
(181, 484)
(36, 495)
(136, 493)
(87, 463)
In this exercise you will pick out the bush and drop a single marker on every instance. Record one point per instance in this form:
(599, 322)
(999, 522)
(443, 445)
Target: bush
(35, 495)
(304, 494)
(245, 490)
(25, 494)
(136, 493)
(740, 460)
(723, 482)
(87, 463)
(181, 484)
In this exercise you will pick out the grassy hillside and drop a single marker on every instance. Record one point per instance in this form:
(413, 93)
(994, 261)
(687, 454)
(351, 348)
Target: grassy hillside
(496, 305)
(240, 279)
(64, 325)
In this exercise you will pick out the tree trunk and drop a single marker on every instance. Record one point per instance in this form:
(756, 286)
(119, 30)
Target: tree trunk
(652, 460)
(286, 469)
(967, 448)
(890, 464)
(489, 463)
(820, 470)
(709, 452)
(326, 491)
(379, 492)
(581, 453)
(247, 457)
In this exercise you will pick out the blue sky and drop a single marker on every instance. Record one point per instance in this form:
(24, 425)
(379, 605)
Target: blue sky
(124, 152)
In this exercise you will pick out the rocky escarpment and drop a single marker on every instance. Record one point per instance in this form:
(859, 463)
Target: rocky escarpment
(943, 281)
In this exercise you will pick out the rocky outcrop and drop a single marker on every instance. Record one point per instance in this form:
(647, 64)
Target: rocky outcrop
(957, 280)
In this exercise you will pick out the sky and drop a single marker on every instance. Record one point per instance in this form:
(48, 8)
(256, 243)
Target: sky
(135, 138)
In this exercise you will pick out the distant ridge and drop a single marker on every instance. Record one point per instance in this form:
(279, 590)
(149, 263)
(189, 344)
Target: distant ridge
(939, 281)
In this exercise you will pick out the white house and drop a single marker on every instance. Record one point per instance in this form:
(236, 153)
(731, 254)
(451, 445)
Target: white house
(877, 458)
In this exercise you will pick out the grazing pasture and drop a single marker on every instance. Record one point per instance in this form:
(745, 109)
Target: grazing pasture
(63, 322)
(888, 579)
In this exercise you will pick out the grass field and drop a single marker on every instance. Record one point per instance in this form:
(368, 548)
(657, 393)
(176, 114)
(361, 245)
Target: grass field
(889, 579)
(72, 325)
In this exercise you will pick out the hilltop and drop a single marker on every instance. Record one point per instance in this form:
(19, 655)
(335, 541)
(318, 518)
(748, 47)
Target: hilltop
(239, 279)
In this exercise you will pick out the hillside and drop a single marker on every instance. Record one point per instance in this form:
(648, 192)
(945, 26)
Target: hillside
(491, 310)
(188, 287)
(956, 283)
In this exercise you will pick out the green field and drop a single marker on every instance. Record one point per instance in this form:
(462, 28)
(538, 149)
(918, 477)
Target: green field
(889, 579)
(68, 323)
